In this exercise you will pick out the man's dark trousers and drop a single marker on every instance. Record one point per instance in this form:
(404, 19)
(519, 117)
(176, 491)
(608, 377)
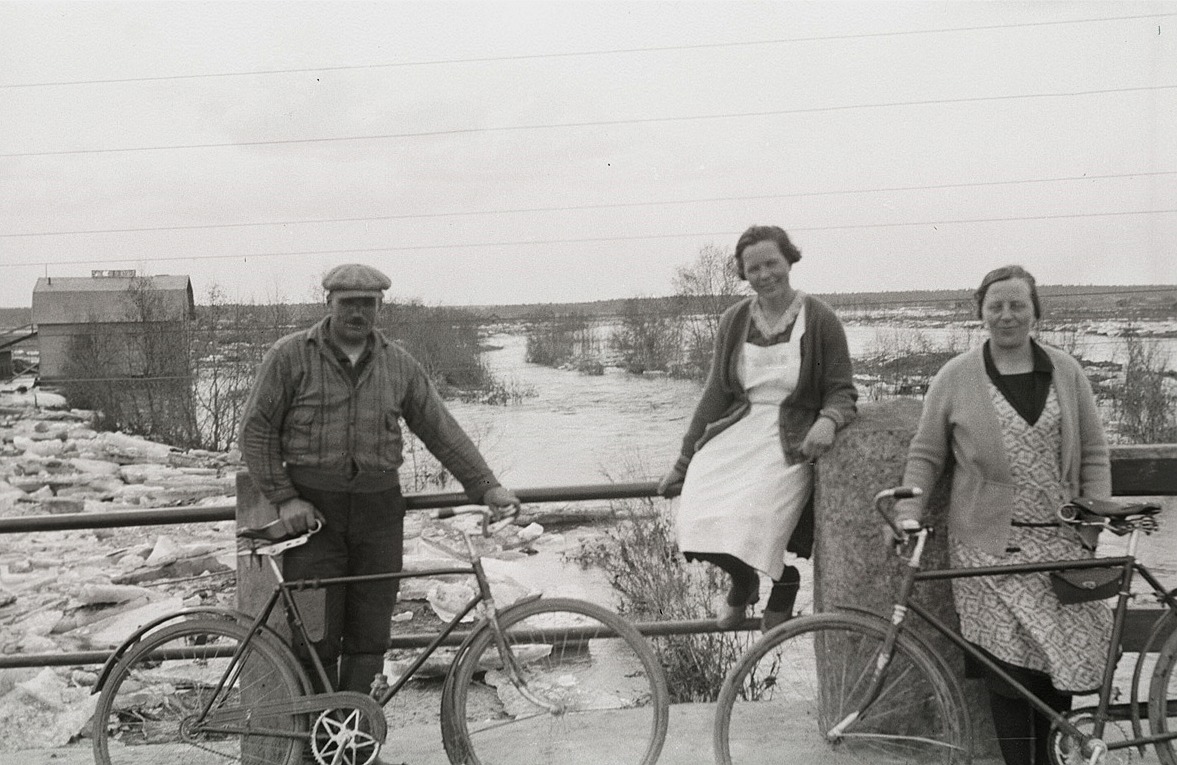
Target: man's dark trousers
(362, 534)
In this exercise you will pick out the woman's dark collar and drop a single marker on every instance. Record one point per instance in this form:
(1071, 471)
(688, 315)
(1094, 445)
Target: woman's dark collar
(1042, 362)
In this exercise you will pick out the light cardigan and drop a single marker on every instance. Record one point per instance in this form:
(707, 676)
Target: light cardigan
(959, 415)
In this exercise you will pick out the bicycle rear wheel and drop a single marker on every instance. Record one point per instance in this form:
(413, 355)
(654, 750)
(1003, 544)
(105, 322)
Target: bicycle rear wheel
(1162, 699)
(148, 707)
(592, 684)
(802, 679)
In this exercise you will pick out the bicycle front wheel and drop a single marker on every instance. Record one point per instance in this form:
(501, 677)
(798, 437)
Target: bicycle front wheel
(1162, 699)
(150, 707)
(587, 682)
(802, 687)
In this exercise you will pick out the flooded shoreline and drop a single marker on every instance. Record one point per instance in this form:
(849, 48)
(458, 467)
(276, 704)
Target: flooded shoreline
(585, 429)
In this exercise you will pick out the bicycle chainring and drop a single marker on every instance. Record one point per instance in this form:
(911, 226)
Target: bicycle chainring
(1067, 750)
(342, 737)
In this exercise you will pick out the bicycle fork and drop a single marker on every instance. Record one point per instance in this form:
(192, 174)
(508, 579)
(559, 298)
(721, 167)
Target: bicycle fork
(510, 664)
(887, 650)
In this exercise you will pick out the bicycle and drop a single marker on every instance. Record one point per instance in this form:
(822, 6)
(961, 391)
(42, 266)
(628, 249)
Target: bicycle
(538, 681)
(857, 686)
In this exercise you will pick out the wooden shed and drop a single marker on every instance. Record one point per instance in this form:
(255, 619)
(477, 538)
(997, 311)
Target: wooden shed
(111, 316)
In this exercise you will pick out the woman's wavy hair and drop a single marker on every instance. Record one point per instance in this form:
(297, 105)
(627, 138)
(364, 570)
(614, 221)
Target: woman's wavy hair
(757, 234)
(1000, 275)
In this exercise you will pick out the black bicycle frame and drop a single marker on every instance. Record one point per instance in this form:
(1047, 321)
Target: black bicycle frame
(1127, 565)
(284, 591)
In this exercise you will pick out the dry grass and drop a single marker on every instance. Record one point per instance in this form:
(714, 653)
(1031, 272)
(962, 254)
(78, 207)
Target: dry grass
(654, 583)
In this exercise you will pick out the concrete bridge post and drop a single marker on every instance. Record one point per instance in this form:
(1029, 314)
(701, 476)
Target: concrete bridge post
(854, 567)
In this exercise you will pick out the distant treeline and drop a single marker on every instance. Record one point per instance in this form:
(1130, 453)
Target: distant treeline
(1144, 301)
(1102, 300)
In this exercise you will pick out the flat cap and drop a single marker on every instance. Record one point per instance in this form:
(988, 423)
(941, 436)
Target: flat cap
(355, 280)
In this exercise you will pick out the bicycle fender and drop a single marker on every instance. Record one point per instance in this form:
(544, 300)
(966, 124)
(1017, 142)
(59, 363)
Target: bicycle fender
(859, 610)
(224, 613)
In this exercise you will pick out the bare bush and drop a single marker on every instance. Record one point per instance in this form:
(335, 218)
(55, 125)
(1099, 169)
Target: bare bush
(703, 291)
(646, 340)
(555, 339)
(654, 582)
(421, 471)
(137, 374)
(1144, 403)
(446, 341)
(224, 357)
(501, 392)
(902, 361)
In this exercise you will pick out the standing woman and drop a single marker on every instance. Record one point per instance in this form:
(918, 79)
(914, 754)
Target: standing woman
(1020, 421)
(779, 388)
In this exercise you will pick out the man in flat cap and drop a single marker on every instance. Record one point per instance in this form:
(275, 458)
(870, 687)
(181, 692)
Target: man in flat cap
(322, 438)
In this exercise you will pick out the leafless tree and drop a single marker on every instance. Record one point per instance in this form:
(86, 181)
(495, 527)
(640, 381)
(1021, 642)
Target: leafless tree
(704, 290)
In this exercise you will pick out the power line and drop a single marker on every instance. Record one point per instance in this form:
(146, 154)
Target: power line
(580, 240)
(604, 206)
(591, 123)
(576, 54)
(569, 241)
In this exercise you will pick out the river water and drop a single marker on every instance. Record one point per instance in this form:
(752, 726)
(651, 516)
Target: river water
(579, 429)
(582, 429)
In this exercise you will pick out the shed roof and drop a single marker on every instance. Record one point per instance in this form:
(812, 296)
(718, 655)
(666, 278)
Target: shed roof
(78, 300)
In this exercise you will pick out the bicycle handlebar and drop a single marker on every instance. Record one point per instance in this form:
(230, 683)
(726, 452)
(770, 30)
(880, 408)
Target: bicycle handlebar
(897, 492)
(271, 539)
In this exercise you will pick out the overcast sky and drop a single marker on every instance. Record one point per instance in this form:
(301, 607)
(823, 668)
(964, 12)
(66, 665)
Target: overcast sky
(498, 152)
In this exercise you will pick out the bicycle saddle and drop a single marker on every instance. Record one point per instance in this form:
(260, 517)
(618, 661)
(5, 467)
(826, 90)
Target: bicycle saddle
(1108, 509)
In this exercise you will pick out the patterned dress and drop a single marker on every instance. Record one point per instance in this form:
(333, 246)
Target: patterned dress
(1018, 618)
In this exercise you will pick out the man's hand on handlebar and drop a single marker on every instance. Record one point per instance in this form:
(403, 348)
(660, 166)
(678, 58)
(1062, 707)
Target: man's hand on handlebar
(502, 502)
(298, 515)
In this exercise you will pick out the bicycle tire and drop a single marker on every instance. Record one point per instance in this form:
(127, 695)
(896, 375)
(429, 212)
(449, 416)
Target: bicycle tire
(162, 681)
(772, 700)
(605, 677)
(1162, 699)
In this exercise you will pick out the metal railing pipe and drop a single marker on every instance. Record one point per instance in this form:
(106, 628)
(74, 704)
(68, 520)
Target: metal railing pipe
(212, 513)
(412, 640)
(148, 516)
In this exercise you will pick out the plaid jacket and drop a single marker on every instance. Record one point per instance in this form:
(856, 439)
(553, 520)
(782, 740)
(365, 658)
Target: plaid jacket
(305, 420)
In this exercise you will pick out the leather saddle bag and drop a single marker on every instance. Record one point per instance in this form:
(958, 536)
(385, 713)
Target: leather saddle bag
(1080, 586)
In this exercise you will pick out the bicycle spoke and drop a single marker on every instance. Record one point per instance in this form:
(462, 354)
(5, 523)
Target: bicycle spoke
(150, 709)
(807, 687)
(595, 687)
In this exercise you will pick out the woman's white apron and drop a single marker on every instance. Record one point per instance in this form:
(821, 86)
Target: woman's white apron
(739, 496)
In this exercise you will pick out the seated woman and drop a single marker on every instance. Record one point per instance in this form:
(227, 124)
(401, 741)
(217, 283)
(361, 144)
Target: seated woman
(779, 388)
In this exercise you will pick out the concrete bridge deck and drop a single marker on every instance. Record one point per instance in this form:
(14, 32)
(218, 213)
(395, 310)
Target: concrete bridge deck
(688, 742)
